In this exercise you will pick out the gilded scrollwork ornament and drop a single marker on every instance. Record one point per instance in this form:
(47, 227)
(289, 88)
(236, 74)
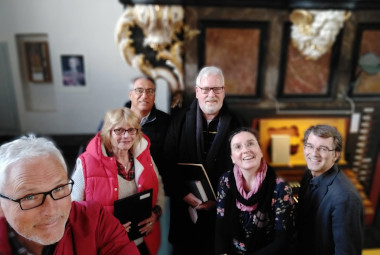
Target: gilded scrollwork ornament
(151, 39)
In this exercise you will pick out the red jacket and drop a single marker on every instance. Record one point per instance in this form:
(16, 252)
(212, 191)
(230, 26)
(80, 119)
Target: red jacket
(101, 184)
(89, 230)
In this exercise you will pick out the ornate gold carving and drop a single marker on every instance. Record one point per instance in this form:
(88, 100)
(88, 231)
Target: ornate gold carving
(303, 19)
(164, 34)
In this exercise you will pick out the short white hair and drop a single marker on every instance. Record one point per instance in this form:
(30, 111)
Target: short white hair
(26, 147)
(209, 70)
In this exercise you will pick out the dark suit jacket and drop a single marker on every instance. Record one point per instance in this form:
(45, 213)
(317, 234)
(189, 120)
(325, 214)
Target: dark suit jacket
(332, 222)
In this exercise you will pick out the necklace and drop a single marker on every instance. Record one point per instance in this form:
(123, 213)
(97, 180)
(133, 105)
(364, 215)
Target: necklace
(126, 167)
(122, 169)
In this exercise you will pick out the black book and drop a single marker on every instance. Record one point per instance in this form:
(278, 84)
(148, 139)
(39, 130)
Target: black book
(135, 209)
(198, 181)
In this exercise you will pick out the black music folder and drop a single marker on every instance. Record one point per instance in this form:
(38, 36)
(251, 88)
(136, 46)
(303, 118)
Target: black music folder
(135, 209)
(198, 181)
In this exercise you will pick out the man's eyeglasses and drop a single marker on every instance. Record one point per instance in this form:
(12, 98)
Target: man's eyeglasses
(121, 131)
(217, 90)
(140, 91)
(35, 200)
(322, 149)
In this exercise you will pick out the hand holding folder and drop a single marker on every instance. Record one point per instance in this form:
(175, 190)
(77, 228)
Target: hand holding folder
(197, 180)
(135, 209)
(200, 186)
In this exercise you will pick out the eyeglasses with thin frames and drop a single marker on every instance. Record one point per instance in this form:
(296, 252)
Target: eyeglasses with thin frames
(140, 91)
(321, 149)
(217, 90)
(121, 131)
(35, 200)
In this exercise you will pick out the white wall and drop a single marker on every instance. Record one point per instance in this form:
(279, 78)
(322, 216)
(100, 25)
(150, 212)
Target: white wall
(83, 27)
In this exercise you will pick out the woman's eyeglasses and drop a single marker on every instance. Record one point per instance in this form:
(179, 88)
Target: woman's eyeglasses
(121, 131)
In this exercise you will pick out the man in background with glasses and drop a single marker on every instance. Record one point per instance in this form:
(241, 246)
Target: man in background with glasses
(198, 134)
(36, 212)
(154, 123)
(330, 210)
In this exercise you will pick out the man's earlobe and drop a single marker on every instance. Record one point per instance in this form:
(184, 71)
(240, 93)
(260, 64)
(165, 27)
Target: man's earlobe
(337, 154)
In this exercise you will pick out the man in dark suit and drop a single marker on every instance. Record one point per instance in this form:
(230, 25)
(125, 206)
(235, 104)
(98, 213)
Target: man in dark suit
(198, 134)
(330, 210)
(154, 123)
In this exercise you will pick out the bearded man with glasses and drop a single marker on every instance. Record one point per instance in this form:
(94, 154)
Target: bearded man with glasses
(330, 210)
(37, 215)
(198, 134)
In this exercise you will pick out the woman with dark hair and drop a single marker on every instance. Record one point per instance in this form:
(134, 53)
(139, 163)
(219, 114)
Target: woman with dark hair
(255, 209)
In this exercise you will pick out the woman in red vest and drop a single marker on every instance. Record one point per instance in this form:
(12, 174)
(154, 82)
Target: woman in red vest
(116, 164)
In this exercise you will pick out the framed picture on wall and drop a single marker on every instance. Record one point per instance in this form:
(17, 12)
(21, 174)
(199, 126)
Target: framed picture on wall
(73, 70)
(365, 76)
(239, 49)
(37, 61)
(302, 78)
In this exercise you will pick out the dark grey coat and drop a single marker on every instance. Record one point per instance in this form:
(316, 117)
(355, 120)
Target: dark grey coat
(333, 223)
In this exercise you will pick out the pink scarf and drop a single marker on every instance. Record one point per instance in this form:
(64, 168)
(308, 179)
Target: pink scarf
(260, 176)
